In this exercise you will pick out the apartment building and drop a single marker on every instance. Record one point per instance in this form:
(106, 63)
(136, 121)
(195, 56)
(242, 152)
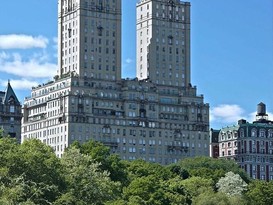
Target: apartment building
(10, 113)
(136, 118)
(250, 145)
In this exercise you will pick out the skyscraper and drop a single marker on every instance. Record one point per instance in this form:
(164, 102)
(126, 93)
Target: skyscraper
(151, 117)
(90, 38)
(163, 42)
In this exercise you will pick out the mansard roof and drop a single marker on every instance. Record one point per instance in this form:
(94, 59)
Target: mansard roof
(10, 96)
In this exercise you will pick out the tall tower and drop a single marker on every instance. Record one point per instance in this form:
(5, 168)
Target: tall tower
(163, 41)
(90, 38)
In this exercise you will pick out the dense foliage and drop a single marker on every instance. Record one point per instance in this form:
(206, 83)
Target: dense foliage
(88, 174)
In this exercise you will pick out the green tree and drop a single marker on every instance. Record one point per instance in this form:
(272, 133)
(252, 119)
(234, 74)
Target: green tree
(145, 190)
(210, 168)
(175, 193)
(211, 198)
(197, 185)
(178, 170)
(152, 190)
(218, 198)
(86, 183)
(140, 168)
(30, 172)
(260, 192)
(1, 133)
(232, 184)
(107, 161)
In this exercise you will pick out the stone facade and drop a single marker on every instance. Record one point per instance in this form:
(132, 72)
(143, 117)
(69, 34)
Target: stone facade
(163, 42)
(136, 118)
(90, 38)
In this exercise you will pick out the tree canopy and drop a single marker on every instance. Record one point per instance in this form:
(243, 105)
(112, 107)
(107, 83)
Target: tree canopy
(30, 173)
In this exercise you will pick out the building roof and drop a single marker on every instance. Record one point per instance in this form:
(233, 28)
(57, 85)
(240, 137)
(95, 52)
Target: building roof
(10, 96)
(230, 128)
(266, 124)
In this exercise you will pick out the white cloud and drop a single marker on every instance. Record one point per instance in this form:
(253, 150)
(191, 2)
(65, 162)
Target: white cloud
(4, 55)
(128, 60)
(252, 116)
(36, 67)
(55, 40)
(270, 116)
(14, 41)
(22, 84)
(226, 113)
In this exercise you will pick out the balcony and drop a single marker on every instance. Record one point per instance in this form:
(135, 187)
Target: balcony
(177, 147)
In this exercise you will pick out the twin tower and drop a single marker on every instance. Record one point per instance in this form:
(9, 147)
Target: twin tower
(156, 116)
(90, 40)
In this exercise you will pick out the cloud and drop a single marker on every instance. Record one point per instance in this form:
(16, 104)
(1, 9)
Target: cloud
(14, 41)
(128, 60)
(226, 113)
(21, 84)
(4, 55)
(252, 116)
(36, 67)
(55, 40)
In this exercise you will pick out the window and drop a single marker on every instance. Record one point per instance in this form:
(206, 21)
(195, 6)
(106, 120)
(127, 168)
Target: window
(270, 133)
(253, 133)
(12, 109)
(242, 133)
(262, 133)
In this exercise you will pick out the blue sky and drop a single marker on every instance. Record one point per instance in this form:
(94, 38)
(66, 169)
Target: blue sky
(232, 51)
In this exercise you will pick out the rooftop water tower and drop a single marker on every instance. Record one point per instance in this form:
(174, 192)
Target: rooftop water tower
(261, 112)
